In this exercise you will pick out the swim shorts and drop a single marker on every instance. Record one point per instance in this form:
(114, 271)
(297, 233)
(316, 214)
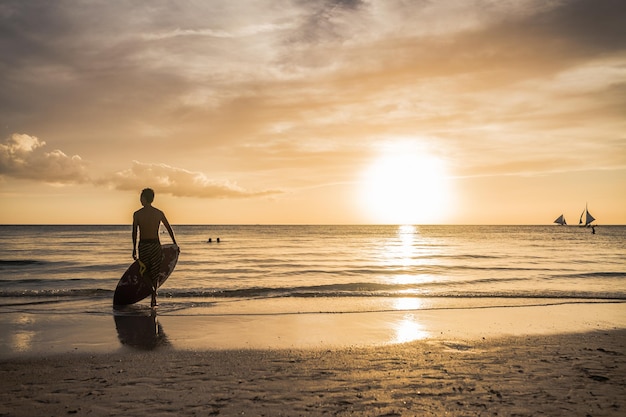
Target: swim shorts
(151, 255)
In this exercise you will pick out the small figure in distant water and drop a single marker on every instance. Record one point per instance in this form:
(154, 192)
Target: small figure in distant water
(209, 241)
(218, 240)
(593, 230)
(147, 220)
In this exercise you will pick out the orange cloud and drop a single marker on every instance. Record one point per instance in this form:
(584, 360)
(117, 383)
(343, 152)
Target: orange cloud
(179, 182)
(22, 157)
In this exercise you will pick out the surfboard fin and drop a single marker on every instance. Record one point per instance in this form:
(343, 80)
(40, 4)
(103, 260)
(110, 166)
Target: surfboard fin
(142, 268)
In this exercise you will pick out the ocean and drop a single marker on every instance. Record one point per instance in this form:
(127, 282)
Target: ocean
(52, 277)
(445, 265)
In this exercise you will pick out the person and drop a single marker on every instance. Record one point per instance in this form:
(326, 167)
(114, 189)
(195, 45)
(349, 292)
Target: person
(147, 221)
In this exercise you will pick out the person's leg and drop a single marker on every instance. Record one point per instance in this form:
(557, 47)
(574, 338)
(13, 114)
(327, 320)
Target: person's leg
(147, 279)
(150, 254)
(154, 277)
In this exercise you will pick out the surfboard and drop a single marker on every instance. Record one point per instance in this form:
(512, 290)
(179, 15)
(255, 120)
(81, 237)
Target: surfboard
(132, 288)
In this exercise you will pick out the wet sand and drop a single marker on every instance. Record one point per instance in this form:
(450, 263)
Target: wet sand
(63, 329)
(525, 361)
(580, 374)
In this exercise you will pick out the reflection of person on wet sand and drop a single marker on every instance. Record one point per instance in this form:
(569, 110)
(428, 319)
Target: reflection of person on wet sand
(140, 331)
(147, 220)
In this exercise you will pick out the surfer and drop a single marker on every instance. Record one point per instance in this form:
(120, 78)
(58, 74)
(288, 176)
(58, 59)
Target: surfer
(147, 220)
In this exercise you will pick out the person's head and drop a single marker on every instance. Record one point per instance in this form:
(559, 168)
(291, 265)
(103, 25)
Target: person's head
(147, 196)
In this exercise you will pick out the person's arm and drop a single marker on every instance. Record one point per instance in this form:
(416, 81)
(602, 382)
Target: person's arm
(169, 229)
(135, 226)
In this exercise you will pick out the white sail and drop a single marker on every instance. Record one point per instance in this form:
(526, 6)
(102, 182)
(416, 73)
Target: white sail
(588, 217)
(560, 220)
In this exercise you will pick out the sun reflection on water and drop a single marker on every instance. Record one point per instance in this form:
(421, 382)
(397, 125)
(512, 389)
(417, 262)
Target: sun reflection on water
(410, 256)
(405, 250)
(408, 329)
(407, 304)
(22, 339)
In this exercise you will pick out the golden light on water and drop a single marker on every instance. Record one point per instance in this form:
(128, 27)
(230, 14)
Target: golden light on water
(22, 339)
(409, 251)
(408, 329)
(404, 252)
(407, 304)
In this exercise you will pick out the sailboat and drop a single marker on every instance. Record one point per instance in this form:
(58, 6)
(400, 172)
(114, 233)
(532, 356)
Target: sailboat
(561, 220)
(588, 218)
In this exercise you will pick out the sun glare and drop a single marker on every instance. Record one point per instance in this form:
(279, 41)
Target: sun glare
(404, 187)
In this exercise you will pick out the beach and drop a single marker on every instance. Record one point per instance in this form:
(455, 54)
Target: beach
(576, 374)
(324, 321)
(525, 361)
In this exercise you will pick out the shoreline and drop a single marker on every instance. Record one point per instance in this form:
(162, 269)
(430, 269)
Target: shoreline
(566, 374)
(101, 330)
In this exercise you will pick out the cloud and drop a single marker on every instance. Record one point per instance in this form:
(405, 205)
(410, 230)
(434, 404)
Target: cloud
(328, 20)
(179, 182)
(252, 30)
(211, 78)
(22, 156)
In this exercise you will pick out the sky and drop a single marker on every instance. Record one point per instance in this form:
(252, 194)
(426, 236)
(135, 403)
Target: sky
(313, 112)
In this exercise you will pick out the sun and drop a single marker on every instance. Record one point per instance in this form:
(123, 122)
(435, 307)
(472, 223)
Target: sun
(406, 187)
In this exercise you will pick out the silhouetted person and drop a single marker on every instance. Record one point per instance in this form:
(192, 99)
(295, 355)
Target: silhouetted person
(147, 220)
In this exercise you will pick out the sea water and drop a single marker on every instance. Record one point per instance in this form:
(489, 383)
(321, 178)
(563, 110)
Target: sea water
(269, 270)
(452, 264)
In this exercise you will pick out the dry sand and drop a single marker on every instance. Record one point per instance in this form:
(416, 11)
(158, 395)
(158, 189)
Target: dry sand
(580, 374)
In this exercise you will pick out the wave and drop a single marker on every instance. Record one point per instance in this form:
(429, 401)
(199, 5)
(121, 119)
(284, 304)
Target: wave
(323, 291)
(459, 256)
(20, 262)
(28, 285)
(253, 293)
(592, 275)
(34, 293)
